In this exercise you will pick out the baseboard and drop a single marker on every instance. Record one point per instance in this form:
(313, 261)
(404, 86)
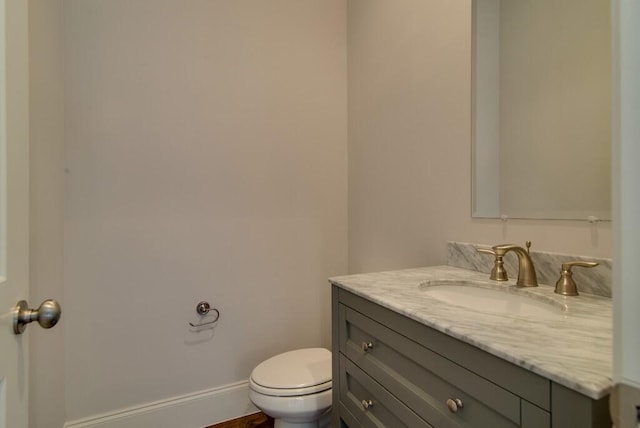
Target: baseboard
(195, 410)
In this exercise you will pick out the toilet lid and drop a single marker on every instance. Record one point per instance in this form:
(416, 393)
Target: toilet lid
(303, 371)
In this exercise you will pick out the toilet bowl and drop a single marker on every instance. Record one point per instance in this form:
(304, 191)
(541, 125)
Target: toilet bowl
(294, 388)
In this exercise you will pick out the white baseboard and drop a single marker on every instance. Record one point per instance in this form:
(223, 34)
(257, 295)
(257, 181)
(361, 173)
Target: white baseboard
(195, 410)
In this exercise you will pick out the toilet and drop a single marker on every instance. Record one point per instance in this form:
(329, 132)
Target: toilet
(294, 388)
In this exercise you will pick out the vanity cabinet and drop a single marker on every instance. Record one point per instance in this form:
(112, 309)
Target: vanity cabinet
(392, 371)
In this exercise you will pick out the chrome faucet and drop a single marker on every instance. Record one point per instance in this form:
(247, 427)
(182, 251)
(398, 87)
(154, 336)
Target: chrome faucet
(526, 272)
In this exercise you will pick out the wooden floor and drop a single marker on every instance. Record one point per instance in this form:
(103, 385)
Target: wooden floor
(256, 420)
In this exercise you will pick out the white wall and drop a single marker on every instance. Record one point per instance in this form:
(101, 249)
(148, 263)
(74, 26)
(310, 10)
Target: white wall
(409, 142)
(46, 111)
(206, 156)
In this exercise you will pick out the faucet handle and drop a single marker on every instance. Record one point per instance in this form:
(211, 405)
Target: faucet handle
(502, 249)
(486, 251)
(565, 284)
(498, 273)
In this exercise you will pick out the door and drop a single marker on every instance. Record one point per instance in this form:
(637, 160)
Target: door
(14, 209)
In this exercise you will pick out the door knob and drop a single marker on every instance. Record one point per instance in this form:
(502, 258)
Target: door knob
(47, 315)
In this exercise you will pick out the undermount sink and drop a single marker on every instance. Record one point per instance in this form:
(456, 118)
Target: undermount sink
(495, 299)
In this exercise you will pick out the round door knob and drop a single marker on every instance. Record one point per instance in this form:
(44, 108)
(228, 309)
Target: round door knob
(367, 346)
(47, 315)
(367, 404)
(454, 404)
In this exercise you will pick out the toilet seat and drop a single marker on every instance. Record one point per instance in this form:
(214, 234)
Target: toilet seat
(289, 392)
(294, 373)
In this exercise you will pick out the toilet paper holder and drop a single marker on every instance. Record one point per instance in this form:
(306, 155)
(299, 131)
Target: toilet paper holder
(203, 308)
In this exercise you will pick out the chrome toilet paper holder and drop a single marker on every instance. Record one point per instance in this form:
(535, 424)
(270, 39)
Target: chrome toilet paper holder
(203, 308)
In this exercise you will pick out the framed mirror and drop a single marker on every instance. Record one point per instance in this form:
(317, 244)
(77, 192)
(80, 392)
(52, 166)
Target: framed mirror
(541, 109)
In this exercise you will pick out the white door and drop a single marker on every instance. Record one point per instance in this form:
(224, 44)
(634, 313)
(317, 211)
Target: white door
(14, 210)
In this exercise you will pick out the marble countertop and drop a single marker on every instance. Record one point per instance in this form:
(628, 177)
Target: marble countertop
(573, 348)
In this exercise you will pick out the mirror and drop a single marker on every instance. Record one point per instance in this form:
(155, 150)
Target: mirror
(542, 109)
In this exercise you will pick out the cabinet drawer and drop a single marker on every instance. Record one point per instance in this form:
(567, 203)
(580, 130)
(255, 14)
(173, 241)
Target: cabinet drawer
(416, 376)
(382, 408)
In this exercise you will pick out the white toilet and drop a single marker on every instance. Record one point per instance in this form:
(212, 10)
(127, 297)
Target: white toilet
(294, 388)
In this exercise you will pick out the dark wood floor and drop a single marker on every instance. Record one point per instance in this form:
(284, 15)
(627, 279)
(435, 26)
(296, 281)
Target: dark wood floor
(256, 420)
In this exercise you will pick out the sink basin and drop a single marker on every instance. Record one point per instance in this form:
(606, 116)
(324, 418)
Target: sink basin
(497, 299)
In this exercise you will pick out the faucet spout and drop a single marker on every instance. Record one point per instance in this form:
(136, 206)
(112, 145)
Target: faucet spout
(526, 272)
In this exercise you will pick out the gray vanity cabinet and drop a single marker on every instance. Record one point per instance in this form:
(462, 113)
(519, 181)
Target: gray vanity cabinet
(391, 371)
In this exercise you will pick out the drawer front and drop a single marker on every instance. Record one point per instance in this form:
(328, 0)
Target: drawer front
(424, 380)
(381, 409)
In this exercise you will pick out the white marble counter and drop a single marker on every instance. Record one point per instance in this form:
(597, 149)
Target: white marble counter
(573, 349)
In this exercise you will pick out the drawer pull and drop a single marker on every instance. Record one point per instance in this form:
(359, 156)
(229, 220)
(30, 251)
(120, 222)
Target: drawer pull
(454, 404)
(367, 404)
(367, 346)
